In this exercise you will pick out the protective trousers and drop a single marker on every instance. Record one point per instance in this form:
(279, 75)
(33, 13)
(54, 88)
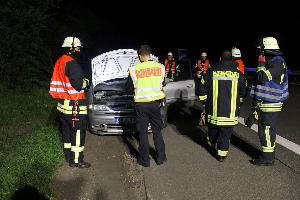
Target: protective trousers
(149, 113)
(267, 134)
(73, 137)
(220, 136)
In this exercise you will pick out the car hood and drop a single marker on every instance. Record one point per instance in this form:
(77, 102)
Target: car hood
(113, 65)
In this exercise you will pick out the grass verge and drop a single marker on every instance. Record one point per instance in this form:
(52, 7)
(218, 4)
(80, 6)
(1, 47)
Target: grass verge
(29, 141)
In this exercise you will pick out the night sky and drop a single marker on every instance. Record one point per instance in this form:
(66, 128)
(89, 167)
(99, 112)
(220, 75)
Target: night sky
(205, 25)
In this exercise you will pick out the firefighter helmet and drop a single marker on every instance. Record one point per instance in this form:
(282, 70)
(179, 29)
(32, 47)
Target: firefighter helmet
(236, 52)
(268, 43)
(71, 42)
(170, 54)
(204, 54)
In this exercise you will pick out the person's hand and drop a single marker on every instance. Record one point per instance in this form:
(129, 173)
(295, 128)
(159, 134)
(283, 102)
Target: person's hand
(85, 83)
(249, 121)
(202, 121)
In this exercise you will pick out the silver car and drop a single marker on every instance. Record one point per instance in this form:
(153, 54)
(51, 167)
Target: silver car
(111, 108)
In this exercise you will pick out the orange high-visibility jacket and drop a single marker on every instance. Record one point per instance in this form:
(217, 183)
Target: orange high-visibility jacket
(167, 66)
(60, 86)
(203, 66)
(240, 65)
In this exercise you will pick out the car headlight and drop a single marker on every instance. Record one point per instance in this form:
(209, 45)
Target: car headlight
(99, 107)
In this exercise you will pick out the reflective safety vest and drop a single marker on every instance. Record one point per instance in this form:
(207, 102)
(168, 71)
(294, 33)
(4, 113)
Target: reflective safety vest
(60, 86)
(271, 91)
(147, 79)
(240, 64)
(170, 64)
(203, 65)
(223, 110)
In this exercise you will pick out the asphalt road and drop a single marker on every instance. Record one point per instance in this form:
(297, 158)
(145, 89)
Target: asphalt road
(192, 172)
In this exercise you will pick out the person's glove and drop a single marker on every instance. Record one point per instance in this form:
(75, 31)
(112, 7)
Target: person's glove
(249, 121)
(85, 83)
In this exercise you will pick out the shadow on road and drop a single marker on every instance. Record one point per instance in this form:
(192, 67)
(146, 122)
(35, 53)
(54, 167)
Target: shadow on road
(186, 121)
(242, 144)
(131, 141)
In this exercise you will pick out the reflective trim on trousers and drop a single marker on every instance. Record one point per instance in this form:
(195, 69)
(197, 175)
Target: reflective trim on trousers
(268, 149)
(202, 98)
(67, 145)
(222, 153)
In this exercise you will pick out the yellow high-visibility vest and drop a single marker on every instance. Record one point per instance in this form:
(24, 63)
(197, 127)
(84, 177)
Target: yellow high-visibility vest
(147, 79)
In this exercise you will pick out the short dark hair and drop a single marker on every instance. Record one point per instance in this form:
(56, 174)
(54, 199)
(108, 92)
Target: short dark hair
(144, 50)
(226, 55)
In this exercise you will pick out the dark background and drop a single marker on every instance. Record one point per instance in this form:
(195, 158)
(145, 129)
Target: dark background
(210, 26)
(198, 26)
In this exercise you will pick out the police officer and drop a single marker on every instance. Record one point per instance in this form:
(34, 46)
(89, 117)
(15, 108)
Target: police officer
(224, 85)
(147, 78)
(269, 91)
(68, 85)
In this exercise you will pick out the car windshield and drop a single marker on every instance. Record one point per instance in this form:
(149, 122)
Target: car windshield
(117, 85)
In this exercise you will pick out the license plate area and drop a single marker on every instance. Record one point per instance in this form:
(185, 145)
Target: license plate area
(124, 120)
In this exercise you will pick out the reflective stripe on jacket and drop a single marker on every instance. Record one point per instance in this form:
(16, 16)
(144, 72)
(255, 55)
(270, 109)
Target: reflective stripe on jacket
(271, 91)
(60, 86)
(270, 107)
(147, 78)
(170, 65)
(224, 85)
(218, 78)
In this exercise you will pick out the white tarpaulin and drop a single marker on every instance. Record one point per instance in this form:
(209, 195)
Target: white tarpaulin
(114, 64)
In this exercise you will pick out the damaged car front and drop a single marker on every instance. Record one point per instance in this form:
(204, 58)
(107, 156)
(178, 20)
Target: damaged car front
(111, 108)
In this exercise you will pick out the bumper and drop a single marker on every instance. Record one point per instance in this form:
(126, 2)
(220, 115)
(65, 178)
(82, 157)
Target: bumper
(103, 123)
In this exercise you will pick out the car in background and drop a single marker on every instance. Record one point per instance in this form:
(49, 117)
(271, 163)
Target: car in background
(111, 105)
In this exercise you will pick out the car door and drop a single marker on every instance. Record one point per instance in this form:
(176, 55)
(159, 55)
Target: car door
(183, 85)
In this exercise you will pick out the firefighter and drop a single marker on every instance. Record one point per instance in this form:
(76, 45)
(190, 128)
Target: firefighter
(237, 58)
(201, 67)
(202, 64)
(170, 66)
(68, 85)
(224, 85)
(269, 91)
(147, 78)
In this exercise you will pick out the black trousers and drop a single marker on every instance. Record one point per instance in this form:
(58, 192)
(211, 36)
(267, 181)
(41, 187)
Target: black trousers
(267, 133)
(73, 137)
(149, 113)
(220, 136)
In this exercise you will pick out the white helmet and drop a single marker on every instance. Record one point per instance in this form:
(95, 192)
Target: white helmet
(204, 54)
(269, 43)
(236, 52)
(170, 54)
(71, 42)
